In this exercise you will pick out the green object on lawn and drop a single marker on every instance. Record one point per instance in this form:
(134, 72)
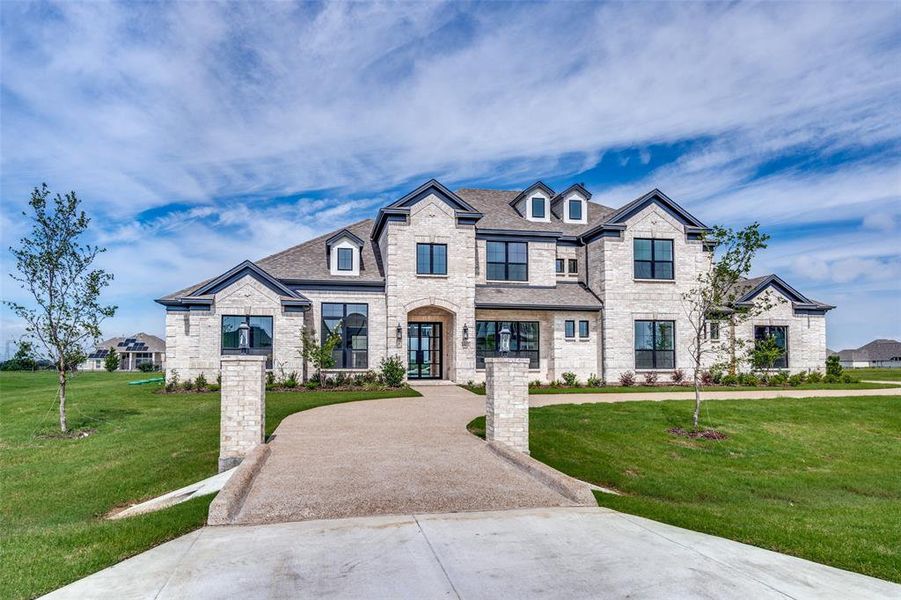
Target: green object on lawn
(151, 380)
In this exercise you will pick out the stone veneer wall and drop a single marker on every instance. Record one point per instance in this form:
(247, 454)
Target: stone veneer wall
(542, 269)
(242, 424)
(194, 338)
(507, 402)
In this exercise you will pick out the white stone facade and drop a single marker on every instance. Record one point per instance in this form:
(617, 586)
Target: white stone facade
(605, 266)
(507, 402)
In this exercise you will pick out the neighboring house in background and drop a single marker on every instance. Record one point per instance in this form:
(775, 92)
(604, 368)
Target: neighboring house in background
(878, 353)
(133, 351)
(438, 274)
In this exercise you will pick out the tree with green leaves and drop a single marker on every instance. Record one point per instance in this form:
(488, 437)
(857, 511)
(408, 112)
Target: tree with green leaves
(714, 295)
(320, 355)
(111, 362)
(765, 352)
(55, 267)
(23, 360)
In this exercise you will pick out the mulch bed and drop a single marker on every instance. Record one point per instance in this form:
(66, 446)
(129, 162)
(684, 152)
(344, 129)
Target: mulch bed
(707, 434)
(72, 434)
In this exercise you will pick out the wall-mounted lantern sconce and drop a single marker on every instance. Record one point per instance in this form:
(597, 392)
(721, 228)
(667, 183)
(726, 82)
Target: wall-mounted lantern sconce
(465, 332)
(399, 332)
(505, 340)
(244, 337)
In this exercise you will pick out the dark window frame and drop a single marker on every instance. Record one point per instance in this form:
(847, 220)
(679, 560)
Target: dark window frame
(782, 362)
(654, 350)
(516, 340)
(543, 203)
(713, 331)
(560, 266)
(431, 266)
(255, 348)
(345, 347)
(569, 329)
(506, 262)
(347, 252)
(573, 266)
(569, 209)
(584, 333)
(654, 262)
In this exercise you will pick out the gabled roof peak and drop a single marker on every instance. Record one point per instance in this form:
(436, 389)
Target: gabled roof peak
(538, 185)
(576, 187)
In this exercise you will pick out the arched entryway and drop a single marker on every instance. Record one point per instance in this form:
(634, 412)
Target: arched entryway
(430, 343)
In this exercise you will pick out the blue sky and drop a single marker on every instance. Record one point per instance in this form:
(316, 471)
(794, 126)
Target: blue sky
(201, 134)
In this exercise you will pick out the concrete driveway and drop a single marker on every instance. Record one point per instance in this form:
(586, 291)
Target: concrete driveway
(533, 553)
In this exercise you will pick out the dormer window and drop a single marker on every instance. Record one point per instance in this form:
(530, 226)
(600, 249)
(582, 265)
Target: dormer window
(539, 209)
(574, 209)
(345, 259)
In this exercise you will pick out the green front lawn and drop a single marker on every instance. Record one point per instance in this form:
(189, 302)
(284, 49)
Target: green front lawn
(56, 491)
(618, 389)
(875, 373)
(816, 477)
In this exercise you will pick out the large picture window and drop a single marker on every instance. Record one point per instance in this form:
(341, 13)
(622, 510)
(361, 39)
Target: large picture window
(260, 335)
(778, 333)
(653, 259)
(655, 344)
(523, 340)
(431, 259)
(508, 261)
(351, 321)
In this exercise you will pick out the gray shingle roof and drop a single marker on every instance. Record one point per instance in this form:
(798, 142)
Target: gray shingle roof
(139, 342)
(498, 214)
(880, 350)
(566, 296)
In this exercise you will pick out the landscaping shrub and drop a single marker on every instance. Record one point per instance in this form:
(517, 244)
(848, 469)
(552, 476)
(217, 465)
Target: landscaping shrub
(707, 378)
(270, 378)
(535, 383)
(846, 378)
(716, 373)
(814, 377)
(392, 371)
(147, 367)
(366, 378)
(342, 378)
(570, 379)
(172, 381)
(833, 366)
(729, 380)
(214, 387)
(678, 376)
(627, 379)
(312, 385)
(291, 380)
(830, 378)
(650, 378)
(188, 385)
(594, 381)
(200, 383)
(780, 378)
(795, 380)
(750, 380)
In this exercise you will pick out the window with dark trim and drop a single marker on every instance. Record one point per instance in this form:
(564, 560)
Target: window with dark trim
(523, 341)
(713, 330)
(655, 344)
(573, 266)
(345, 259)
(653, 258)
(560, 266)
(260, 334)
(569, 329)
(431, 259)
(508, 261)
(351, 321)
(583, 329)
(538, 210)
(575, 210)
(780, 334)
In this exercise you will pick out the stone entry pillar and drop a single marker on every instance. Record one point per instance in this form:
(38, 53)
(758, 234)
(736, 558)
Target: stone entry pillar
(507, 402)
(242, 425)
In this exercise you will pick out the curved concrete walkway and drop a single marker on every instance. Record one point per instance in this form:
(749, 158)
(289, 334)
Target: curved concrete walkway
(388, 457)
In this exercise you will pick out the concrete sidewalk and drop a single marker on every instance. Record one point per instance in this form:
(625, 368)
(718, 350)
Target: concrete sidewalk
(534, 553)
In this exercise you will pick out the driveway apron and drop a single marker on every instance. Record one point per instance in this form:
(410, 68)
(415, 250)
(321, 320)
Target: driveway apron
(388, 457)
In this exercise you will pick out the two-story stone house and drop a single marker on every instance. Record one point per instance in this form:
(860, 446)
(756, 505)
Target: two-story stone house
(433, 279)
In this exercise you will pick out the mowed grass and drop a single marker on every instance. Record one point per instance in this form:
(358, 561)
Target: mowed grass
(815, 478)
(876, 374)
(54, 492)
(637, 389)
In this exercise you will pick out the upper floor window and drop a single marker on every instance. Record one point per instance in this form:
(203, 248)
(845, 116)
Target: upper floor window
(655, 344)
(351, 321)
(431, 259)
(538, 208)
(345, 259)
(653, 259)
(575, 210)
(583, 329)
(560, 264)
(569, 329)
(713, 330)
(573, 266)
(508, 261)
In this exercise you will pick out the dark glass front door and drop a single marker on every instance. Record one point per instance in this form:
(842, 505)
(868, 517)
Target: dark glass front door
(424, 351)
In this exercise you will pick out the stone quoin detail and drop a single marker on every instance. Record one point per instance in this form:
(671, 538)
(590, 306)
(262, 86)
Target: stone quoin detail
(507, 402)
(243, 417)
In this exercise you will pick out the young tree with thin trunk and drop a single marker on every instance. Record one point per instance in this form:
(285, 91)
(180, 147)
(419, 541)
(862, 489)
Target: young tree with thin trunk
(715, 293)
(54, 266)
(111, 362)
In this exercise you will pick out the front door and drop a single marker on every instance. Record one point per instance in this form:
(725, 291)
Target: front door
(424, 351)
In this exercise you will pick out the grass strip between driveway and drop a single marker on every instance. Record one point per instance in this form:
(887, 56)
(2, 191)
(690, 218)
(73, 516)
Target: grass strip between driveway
(55, 491)
(638, 389)
(813, 477)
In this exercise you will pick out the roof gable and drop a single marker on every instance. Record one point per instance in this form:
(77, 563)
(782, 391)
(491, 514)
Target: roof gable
(344, 233)
(538, 185)
(244, 269)
(797, 299)
(576, 187)
(433, 186)
(657, 197)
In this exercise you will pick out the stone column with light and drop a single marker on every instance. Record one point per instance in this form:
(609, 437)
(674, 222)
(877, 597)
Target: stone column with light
(243, 407)
(507, 398)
